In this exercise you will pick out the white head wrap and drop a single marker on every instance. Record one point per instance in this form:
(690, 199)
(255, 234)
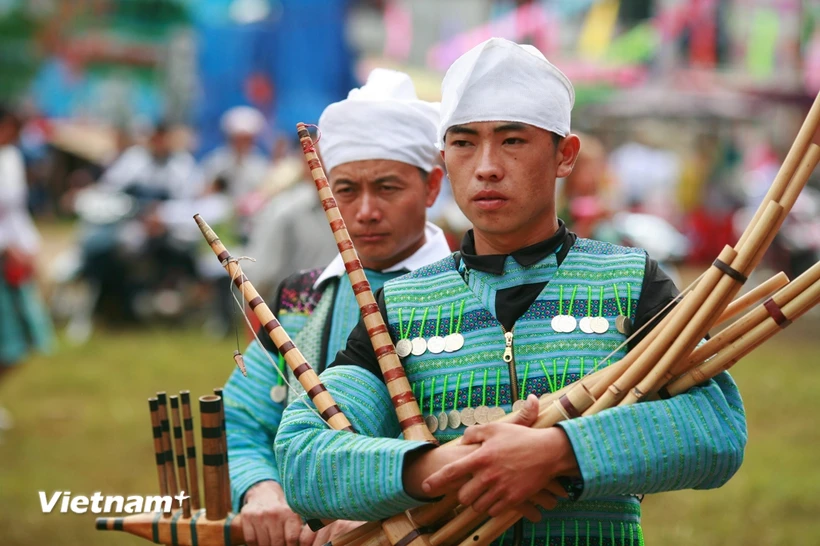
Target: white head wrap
(499, 80)
(381, 120)
(242, 119)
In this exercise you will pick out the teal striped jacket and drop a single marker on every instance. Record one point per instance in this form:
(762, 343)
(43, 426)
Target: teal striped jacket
(694, 440)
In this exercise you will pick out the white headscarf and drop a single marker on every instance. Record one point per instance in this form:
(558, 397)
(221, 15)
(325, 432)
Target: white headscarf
(383, 119)
(499, 80)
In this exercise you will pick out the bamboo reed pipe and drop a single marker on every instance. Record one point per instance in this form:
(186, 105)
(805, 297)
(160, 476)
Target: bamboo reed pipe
(744, 302)
(159, 452)
(717, 300)
(357, 535)
(790, 195)
(179, 531)
(170, 472)
(752, 318)
(746, 343)
(405, 404)
(190, 451)
(302, 371)
(223, 438)
(212, 457)
(796, 153)
(180, 449)
(646, 355)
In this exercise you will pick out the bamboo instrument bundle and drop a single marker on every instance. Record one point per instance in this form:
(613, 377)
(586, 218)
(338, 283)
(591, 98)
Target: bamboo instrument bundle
(213, 526)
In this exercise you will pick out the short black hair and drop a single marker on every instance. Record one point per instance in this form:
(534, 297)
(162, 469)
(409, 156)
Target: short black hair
(424, 174)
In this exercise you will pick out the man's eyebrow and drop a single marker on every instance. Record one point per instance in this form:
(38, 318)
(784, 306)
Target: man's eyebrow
(345, 181)
(387, 178)
(461, 130)
(513, 126)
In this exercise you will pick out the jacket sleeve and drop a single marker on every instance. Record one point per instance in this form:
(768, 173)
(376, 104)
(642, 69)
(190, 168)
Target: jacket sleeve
(251, 418)
(336, 474)
(694, 440)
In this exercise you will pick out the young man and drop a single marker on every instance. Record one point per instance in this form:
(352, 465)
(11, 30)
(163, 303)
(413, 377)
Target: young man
(378, 147)
(527, 308)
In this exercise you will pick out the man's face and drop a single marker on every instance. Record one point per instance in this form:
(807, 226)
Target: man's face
(503, 176)
(383, 204)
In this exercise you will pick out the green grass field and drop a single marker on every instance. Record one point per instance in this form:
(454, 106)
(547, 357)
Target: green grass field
(83, 426)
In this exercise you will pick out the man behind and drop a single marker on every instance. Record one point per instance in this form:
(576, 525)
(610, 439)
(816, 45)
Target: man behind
(378, 147)
(519, 298)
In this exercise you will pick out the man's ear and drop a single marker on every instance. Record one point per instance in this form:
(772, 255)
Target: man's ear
(434, 185)
(567, 155)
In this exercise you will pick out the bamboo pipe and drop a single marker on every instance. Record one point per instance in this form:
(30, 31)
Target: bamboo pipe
(170, 472)
(159, 452)
(653, 347)
(212, 457)
(753, 318)
(746, 343)
(178, 445)
(223, 438)
(179, 531)
(807, 132)
(791, 193)
(190, 452)
(761, 291)
(302, 371)
(714, 304)
(405, 404)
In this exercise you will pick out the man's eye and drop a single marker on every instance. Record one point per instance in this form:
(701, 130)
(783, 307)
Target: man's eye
(340, 191)
(514, 140)
(461, 143)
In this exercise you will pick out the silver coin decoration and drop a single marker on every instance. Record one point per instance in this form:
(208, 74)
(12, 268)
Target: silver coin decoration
(555, 323)
(436, 345)
(568, 323)
(453, 342)
(278, 393)
(468, 417)
(623, 325)
(497, 413)
(432, 423)
(600, 325)
(482, 415)
(454, 419)
(404, 348)
(585, 324)
(419, 346)
(443, 421)
(518, 405)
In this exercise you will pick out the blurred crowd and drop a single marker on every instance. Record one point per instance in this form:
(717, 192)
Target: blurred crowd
(138, 256)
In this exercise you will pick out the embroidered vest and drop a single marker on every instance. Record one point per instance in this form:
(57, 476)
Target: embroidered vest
(595, 279)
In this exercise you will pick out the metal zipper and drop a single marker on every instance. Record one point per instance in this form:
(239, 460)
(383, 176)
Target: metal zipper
(509, 358)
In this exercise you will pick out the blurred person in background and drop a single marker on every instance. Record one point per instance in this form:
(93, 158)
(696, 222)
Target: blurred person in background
(378, 149)
(139, 253)
(24, 322)
(588, 195)
(239, 166)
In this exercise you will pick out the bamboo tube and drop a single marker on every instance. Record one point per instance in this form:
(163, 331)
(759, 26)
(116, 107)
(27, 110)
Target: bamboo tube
(807, 132)
(358, 535)
(159, 452)
(302, 371)
(223, 438)
(190, 452)
(753, 318)
(400, 529)
(653, 347)
(763, 290)
(746, 343)
(194, 531)
(170, 473)
(717, 300)
(178, 445)
(212, 457)
(790, 195)
(405, 404)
